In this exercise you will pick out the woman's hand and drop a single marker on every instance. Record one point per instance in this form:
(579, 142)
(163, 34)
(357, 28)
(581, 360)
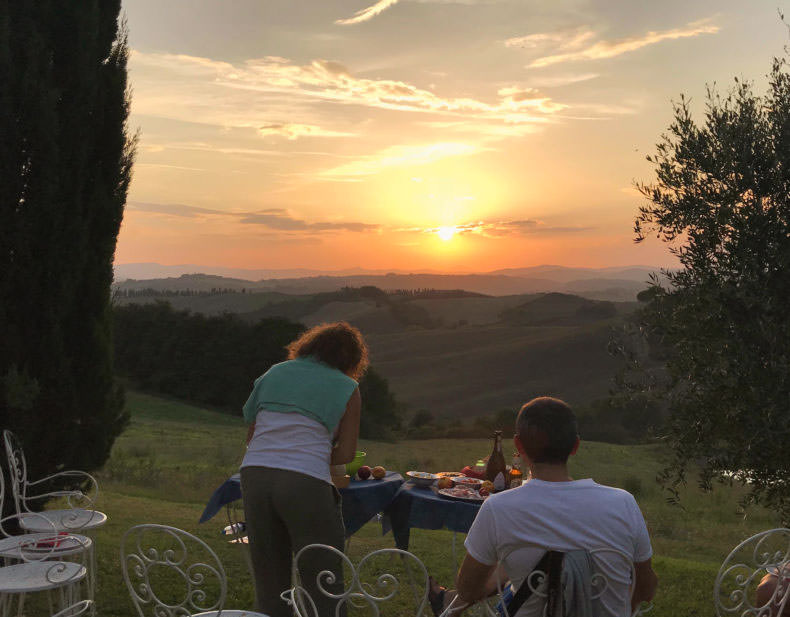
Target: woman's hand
(345, 446)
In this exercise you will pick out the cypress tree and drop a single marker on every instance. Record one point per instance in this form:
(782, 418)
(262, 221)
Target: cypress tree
(65, 166)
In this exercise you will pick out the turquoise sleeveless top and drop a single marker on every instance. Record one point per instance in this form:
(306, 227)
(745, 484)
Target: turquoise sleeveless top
(304, 386)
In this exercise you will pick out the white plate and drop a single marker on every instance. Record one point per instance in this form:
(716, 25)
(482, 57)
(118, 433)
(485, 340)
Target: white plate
(448, 493)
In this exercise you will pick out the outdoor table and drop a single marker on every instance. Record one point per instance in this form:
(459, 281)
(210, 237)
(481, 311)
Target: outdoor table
(424, 508)
(362, 500)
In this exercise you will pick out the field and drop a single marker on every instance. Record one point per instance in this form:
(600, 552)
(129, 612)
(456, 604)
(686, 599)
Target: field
(460, 357)
(172, 456)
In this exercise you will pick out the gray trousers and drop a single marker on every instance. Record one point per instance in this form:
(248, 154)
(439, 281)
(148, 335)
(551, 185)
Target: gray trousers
(286, 511)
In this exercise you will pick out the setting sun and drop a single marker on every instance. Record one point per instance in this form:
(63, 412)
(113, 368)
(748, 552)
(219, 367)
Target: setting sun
(446, 233)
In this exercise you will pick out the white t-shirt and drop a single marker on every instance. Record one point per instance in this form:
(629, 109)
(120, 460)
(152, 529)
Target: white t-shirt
(290, 441)
(562, 516)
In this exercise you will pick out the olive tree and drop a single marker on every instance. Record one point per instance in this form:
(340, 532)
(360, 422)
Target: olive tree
(721, 201)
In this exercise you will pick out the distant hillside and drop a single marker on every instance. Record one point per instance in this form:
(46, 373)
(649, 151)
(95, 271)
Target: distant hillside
(601, 284)
(454, 353)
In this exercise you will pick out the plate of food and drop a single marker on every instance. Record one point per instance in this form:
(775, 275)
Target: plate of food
(422, 478)
(450, 474)
(462, 493)
(470, 482)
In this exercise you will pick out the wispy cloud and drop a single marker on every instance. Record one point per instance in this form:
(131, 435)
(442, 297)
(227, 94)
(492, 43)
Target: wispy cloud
(566, 79)
(564, 39)
(275, 219)
(180, 210)
(293, 131)
(574, 47)
(396, 156)
(286, 222)
(225, 94)
(367, 13)
(500, 228)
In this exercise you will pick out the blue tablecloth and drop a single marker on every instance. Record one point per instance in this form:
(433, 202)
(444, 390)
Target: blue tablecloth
(362, 500)
(423, 508)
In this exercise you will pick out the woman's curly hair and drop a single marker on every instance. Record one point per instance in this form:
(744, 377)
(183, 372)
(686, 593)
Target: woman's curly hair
(339, 345)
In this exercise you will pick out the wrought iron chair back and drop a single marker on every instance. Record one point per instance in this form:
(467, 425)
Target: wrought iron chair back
(76, 497)
(17, 467)
(196, 582)
(734, 590)
(363, 587)
(600, 584)
(80, 608)
(41, 547)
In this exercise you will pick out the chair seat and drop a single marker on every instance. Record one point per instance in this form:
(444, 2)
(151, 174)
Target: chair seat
(63, 520)
(229, 613)
(70, 545)
(39, 576)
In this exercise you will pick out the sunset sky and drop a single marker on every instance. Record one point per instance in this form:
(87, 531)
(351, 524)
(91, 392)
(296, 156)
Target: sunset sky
(456, 135)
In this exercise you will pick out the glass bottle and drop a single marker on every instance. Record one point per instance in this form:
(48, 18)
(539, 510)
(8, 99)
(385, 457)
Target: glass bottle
(516, 475)
(496, 470)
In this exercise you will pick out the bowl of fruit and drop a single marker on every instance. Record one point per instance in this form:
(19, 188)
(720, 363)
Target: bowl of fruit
(423, 479)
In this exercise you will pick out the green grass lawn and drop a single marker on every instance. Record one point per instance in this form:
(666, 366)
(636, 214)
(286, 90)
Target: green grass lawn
(172, 457)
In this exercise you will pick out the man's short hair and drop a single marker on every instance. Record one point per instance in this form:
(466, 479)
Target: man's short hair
(547, 429)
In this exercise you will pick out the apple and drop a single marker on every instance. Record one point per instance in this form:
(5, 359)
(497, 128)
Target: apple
(379, 472)
(484, 492)
(444, 483)
(363, 472)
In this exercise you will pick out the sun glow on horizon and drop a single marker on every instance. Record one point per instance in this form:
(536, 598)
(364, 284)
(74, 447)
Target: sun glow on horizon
(446, 233)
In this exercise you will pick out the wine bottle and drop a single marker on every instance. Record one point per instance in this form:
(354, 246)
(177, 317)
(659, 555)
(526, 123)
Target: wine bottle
(496, 470)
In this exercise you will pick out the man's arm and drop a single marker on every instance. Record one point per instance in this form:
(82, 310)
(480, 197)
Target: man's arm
(645, 584)
(472, 582)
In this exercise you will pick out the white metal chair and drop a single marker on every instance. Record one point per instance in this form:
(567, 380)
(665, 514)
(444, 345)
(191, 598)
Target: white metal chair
(33, 563)
(81, 608)
(611, 583)
(171, 573)
(364, 586)
(734, 592)
(81, 515)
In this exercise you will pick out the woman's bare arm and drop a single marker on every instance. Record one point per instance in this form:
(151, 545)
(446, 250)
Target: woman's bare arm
(348, 432)
(250, 432)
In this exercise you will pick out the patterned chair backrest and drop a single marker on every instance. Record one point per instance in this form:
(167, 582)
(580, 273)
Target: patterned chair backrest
(17, 467)
(171, 573)
(735, 589)
(322, 574)
(81, 608)
(611, 580)
(42, 546)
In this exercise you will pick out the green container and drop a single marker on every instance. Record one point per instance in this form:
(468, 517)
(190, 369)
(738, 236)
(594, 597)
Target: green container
(353, 466)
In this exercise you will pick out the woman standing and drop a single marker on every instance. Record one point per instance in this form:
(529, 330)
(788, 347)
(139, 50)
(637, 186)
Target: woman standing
(304, 416)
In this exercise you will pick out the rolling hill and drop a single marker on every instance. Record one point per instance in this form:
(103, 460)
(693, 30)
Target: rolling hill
(620, 284)
(456, 354)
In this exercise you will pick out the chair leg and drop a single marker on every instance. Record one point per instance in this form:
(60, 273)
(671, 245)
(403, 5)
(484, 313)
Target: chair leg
(21, 605)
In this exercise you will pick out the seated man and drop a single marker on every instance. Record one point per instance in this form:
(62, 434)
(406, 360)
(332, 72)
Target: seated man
(553, 511)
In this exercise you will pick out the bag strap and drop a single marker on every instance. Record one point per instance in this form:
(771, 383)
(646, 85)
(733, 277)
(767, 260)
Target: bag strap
(550, 565)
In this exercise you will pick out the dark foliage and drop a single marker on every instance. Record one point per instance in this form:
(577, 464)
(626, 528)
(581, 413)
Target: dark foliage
(721, 200)
(207, 360)
(65, 166)
(214, 360)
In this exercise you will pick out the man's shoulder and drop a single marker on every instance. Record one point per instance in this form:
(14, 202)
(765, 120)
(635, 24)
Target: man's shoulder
(584, 490)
